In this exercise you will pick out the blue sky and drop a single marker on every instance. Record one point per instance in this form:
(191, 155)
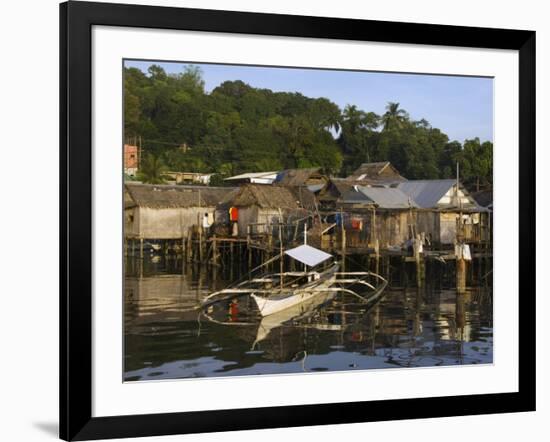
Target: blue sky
(462, 107)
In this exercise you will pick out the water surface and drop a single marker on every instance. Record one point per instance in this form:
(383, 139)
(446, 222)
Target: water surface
(166, 337)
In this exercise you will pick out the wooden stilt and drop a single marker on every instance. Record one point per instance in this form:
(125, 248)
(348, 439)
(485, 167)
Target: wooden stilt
(189, 246)
(460, 269)
(419, 261)
(200, 244)
(377, 255)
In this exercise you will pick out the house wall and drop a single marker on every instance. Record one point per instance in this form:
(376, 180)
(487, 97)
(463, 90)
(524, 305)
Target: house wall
(164, 223)
(269, 217)
(256, 215)
(474, 227)
(131, 222)
(247, 215)
(392, 227)
(131, 156)
(450, 198)
(447, 233)
(428, 222)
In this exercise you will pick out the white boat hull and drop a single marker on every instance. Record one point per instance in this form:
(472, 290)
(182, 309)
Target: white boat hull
(269, 306)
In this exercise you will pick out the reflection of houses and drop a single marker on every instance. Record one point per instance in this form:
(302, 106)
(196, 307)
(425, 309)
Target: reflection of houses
(131, 159)
(168, 293)
(262, 206)
(167, 212)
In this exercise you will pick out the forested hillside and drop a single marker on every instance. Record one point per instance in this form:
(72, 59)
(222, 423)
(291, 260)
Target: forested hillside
(237, 128)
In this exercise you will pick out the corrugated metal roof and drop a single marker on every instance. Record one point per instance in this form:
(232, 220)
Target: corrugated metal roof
(484, 198)
(315, 187)
(351, 195)
(299, 177)
(388, 197)
(426, 193)
(245, 176)
(308, 255)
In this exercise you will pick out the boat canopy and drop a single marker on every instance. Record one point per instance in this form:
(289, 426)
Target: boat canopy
(308, 255)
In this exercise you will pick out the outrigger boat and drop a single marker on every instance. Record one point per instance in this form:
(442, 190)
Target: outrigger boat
(275, 292)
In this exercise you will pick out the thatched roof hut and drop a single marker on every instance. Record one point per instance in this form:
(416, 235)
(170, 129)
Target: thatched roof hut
(264, 205)
(312, 178)
(158, 196)
(168, 212)
(273, 197)
(376, 173)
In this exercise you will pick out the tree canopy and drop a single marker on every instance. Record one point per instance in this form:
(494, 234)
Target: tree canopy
(237, 128)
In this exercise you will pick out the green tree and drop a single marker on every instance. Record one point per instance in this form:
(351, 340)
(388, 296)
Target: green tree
(238, 128)
(151, 170)
(358, 136)
(476, 163)
(394, 118)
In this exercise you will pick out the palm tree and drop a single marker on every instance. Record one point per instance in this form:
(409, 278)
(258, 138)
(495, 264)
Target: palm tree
(357, 129)
(151, 170)
(394, 116)
(353, 118)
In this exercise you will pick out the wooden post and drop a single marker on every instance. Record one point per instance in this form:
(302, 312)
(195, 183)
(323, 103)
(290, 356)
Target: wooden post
(461, 275)
(141, 248)
(249, 247)
(460, 270)
(343, 239)
(377, 255)
(201, 245)
(189, 245)
(281, 256)
(214, 250)
(419, 261)
(231, 263)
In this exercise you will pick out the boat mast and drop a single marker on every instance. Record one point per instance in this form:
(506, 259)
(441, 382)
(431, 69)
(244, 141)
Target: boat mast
(281, 257)
(305, 240)
(281, 253)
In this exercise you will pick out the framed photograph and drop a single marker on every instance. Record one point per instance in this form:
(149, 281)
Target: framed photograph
(273, 220)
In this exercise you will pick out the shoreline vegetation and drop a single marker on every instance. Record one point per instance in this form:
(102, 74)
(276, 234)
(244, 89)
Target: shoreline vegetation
(237, 128)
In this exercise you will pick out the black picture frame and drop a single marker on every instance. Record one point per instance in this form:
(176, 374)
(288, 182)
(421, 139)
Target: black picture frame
(76, 21)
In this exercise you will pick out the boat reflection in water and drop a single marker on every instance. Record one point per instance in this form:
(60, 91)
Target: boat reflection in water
(167, 337)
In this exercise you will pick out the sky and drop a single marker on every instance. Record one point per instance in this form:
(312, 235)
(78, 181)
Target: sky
(462, 107)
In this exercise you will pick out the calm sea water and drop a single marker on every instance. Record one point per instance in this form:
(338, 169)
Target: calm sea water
(167, 337)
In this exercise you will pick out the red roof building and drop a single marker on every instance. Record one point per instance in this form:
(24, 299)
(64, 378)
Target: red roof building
(131, 159)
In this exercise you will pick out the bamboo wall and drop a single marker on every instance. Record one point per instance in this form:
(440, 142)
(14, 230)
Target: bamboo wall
(163, 223)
